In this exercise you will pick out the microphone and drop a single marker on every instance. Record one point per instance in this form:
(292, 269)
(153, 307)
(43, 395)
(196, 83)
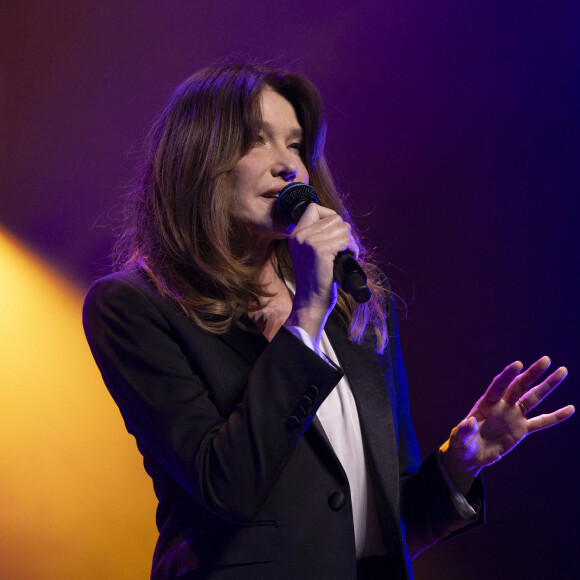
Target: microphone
(292, 203)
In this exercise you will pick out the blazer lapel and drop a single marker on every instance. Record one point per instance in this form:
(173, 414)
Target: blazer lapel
(363, 371)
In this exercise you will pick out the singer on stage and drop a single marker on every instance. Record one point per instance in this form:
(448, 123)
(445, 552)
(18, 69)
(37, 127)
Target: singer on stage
(269, 404)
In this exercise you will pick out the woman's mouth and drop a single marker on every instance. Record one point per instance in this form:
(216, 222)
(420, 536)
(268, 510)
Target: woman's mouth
(273, 194)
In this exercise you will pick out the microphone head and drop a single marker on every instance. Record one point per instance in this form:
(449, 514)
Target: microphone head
(294, 200)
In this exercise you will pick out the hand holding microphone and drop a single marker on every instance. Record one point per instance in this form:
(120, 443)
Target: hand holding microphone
(292, 203)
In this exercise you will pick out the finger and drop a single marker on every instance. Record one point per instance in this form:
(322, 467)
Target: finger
(463, 432)
(322, 231)
(536, 395)
(314, 213)
(353, 248)
(525, 380)
(330, 232)
(501, 382)
(314, 223)
(543, 421)
(352, 245)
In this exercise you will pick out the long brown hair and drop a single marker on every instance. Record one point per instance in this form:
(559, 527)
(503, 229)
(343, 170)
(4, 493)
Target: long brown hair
(177, 221)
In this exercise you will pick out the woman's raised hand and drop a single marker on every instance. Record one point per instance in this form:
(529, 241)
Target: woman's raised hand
(498, 421)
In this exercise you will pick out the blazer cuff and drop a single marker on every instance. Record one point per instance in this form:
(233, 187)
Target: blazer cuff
(306, 339)
(462, 506)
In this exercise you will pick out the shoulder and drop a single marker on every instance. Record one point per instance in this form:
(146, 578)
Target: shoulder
(129, 279)
(120, 296)
(123, 285)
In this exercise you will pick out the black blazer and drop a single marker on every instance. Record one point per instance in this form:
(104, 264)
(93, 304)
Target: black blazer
(247, 482)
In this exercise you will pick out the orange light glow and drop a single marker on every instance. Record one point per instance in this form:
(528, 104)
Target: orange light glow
(74, 498)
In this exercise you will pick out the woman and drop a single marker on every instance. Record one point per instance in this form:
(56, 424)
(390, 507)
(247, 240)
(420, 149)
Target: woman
(270, 408)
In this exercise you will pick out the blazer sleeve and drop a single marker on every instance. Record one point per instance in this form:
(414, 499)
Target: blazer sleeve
(427, 511)
(227, 463)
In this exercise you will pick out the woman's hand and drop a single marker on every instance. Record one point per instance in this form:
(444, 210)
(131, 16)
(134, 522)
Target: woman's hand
(314, 243)
(498, 422)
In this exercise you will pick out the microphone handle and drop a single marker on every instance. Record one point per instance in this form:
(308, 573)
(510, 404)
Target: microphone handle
(351, 277)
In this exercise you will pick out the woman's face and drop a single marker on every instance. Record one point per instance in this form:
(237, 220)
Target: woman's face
(274, 161)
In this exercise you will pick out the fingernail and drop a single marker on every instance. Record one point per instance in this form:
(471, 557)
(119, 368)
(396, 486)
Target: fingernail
(545, 360)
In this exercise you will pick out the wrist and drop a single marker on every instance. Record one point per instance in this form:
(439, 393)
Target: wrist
(461, 473)
(310, 318)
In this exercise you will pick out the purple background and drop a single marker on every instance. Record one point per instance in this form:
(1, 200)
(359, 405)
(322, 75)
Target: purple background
(455, 128)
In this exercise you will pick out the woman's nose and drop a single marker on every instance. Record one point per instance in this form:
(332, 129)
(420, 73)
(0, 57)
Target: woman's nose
(290, 173)
(286, 166)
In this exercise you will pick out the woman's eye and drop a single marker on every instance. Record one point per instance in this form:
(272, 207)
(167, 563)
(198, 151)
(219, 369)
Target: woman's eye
(260, 140)
(297, 146)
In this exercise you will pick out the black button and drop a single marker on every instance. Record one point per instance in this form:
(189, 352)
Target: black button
(312, 391)
(336, 500)
(306, 401)
(292, 422)
(300, 411)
